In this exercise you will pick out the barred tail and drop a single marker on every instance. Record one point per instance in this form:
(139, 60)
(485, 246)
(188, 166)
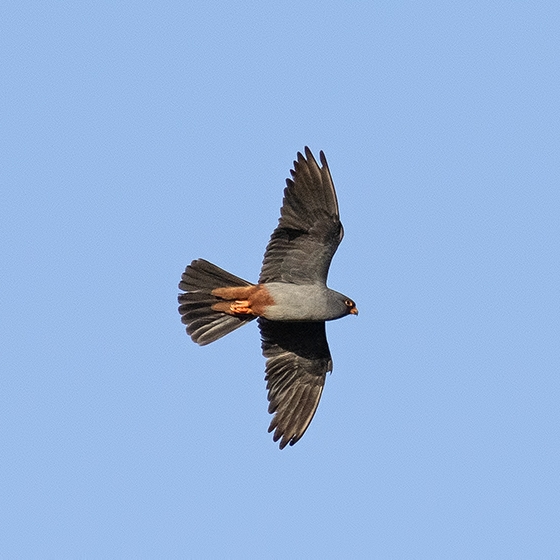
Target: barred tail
(204, 324)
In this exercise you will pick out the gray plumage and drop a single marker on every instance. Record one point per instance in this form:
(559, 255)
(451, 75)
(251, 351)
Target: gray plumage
(296, 300)
(309, 230)
(203, 324)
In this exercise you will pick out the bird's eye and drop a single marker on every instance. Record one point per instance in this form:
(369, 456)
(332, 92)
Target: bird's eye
(349, 303)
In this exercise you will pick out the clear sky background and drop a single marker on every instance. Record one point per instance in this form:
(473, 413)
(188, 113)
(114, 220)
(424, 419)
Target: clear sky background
(137, 136)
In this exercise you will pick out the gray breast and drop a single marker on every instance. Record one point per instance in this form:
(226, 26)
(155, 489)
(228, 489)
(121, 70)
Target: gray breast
(295, 302)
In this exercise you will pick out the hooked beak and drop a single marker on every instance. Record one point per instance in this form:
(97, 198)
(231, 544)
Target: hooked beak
(354, 311)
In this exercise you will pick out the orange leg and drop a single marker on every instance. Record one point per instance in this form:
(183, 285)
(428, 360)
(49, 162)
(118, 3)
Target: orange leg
(240, 308)
(237, 307)
(242, 300)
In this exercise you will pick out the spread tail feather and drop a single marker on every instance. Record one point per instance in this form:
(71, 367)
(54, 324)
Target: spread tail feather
(204, 324)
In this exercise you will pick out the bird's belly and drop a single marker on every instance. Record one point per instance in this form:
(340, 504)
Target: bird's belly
(293, 302)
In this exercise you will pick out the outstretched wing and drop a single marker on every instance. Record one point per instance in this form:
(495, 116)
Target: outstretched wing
(298, 360)
(309, 231)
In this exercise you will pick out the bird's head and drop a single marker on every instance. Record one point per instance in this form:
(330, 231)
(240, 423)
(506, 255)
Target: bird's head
(341, 305)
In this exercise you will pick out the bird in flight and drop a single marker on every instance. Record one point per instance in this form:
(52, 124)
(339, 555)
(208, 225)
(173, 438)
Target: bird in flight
(291, 301)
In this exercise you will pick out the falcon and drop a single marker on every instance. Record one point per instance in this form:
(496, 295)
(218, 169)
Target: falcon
(291, 301)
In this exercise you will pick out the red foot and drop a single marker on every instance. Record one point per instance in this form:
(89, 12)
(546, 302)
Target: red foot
(240, 308)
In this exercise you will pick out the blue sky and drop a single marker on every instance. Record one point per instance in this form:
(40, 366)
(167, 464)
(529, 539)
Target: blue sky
(138, 136)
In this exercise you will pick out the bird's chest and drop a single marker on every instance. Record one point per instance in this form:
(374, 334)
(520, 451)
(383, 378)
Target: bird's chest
(293, 302)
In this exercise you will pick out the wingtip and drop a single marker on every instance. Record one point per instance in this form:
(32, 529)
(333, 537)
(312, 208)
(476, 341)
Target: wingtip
(310, 157)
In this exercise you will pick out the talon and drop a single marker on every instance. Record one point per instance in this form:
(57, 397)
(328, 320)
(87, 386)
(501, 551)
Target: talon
(240, 307)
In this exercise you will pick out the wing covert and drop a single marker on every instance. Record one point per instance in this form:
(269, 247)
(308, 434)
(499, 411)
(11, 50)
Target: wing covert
(298, 360)
(309, 230)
